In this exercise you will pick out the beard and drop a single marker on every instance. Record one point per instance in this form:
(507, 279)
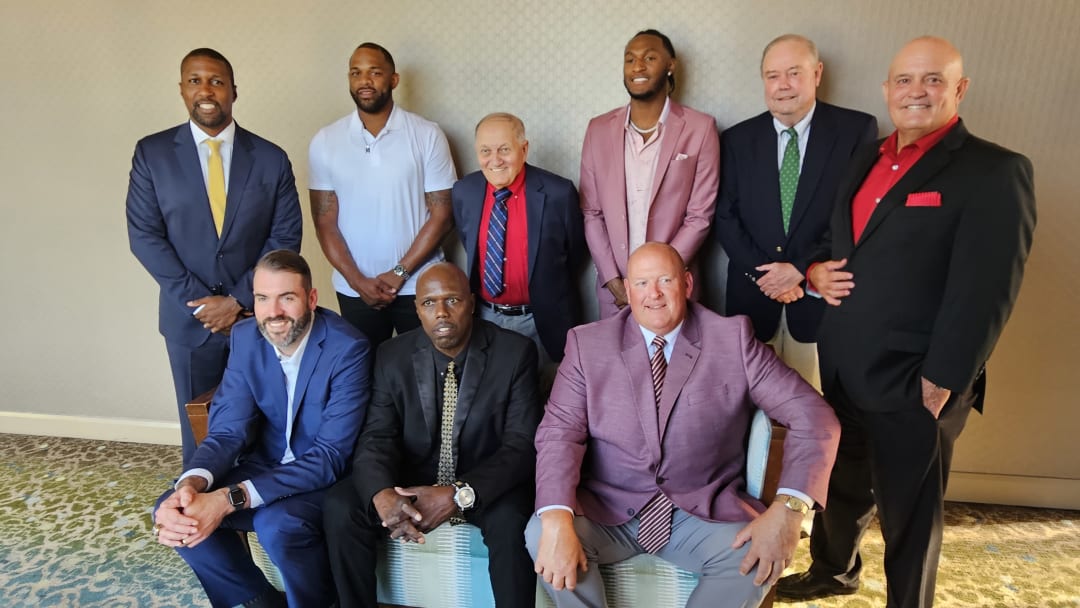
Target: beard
(657, 89)
(299, 326)
(374, 105)
(214, 121)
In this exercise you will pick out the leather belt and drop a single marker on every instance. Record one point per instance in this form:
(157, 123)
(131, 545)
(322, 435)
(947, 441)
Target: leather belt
(508, 310)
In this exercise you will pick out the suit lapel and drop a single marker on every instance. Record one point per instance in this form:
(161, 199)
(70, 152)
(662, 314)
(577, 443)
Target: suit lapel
(312, 353)
(534, 214)
(768, 179)
(475, 364)
(841, 230)
(818, 150)
(427, 392)
(683, 358)
(473, 209)
(615, 165)
(187, 159)
(239, 170)
(929, 165)
(673, 129)
(635, 357)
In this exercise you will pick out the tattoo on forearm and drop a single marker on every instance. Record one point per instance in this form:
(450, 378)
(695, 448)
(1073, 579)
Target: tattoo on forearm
(436, 198)
(323, 203)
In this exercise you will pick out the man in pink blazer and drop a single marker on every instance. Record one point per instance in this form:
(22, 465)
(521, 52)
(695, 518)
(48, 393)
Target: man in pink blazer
(660, 397)
(650, 170)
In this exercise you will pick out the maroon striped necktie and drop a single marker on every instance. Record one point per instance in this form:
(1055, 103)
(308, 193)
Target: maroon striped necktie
(654, 519)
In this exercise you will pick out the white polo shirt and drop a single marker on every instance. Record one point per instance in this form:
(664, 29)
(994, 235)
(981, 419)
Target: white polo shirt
(380, 184)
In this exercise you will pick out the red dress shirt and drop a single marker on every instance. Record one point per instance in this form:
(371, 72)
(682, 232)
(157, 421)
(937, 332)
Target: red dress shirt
(889, 168)
(516, 264)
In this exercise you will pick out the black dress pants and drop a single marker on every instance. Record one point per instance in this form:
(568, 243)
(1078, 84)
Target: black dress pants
(353, 531)
(897, 463)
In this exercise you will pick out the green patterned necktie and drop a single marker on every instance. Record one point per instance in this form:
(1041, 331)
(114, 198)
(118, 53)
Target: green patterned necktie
(789, 177)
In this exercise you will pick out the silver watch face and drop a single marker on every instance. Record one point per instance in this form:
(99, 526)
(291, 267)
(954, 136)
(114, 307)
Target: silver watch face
(465, 497)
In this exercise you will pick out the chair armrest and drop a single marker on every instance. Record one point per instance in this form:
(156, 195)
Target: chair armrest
(198, 413)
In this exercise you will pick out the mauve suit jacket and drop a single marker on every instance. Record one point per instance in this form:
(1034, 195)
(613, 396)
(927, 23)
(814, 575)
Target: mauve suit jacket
(683, 192)
(250, 410)
(604, 447)
(172, 232)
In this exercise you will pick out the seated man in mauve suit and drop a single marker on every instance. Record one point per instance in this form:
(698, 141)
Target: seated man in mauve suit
(661, 396)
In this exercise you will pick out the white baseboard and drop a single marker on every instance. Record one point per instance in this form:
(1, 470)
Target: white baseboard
(88, 427)
(1045, 492)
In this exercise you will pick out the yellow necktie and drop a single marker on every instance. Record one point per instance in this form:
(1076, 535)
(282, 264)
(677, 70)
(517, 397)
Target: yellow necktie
(216, 174)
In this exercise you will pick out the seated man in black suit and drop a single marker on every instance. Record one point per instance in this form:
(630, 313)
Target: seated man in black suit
(448, 437)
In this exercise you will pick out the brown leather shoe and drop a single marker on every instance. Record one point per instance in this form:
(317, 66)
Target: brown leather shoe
(804, 586)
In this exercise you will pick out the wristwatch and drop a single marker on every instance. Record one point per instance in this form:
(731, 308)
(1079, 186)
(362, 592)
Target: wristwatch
(464, 495)
(237, 498)
(400, 271)
(793, 503)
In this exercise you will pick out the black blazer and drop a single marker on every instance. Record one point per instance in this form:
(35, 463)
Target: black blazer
(934, 285)
(499, 408)
(748, 217)
(556, 248)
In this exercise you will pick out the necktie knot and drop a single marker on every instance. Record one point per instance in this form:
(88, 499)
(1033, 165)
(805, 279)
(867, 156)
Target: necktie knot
(659, 342)
(792, 132)
(501, 195)
(215, 145)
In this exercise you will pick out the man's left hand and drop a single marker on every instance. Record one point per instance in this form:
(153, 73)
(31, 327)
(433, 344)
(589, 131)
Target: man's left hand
(934, 397)
(392, 283)
(218, 313)
(773, 536)
(208, 508)
(779, 278)
(435, 503)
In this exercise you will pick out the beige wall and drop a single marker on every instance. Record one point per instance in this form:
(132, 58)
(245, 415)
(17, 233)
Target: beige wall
(85, 80)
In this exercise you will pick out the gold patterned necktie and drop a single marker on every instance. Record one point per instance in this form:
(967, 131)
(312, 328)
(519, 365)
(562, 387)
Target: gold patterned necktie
(215, 171)
(445, 474)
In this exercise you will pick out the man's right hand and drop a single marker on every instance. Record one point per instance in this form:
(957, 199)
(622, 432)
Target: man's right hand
(398, 515)
(618, 291)
(560, 554)
(373, 292)
(830, 281)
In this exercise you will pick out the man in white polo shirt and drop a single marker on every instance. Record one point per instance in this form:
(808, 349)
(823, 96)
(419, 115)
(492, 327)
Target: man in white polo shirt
(380, 198)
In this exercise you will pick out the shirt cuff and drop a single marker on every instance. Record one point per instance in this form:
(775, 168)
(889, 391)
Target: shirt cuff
(255, 500)
(797, 494)
(543, 510)
(207, 475)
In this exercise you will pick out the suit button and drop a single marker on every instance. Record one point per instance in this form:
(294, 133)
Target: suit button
(220, 256)
(652, 468)
(660, 481)
(779, 249)
(630, 512)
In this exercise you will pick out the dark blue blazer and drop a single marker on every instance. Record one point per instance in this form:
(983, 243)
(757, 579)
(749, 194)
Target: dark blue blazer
(556, 248)
(748, 217)
(248, 414)
(172, 233)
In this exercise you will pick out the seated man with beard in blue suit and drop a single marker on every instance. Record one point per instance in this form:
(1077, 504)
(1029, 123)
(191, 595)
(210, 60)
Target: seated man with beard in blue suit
(282, 429)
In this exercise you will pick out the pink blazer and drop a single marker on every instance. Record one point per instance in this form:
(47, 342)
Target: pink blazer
(683, 194)
(694, 444)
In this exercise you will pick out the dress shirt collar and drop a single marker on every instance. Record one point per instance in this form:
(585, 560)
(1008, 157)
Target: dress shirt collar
(924, 143)
(801, 127)
(227, 135)
(669, 338)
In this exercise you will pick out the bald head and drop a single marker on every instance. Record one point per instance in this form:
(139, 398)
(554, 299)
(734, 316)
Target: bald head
(445, 307)
(657, 286)
(925, 86)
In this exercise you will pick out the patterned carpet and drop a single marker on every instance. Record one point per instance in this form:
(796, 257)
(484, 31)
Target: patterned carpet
(75, 531)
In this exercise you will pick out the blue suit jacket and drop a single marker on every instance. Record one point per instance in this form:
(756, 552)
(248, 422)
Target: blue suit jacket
(556, 247)
(248, 414)
(172, 232)
(748, 217)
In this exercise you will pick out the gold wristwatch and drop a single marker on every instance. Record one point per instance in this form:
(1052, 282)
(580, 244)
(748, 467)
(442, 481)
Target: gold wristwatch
(793, 503)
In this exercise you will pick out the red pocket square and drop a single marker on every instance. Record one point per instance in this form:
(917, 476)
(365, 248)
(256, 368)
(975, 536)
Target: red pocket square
(923, 199)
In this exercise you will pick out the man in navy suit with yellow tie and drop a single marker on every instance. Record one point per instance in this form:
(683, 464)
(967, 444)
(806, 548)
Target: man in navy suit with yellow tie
(780, 173)
(206, 199)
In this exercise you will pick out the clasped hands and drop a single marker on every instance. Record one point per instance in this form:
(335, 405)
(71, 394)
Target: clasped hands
(379, 291)
(781, 282)
(410, 512)
(217, 313)
(188, 516)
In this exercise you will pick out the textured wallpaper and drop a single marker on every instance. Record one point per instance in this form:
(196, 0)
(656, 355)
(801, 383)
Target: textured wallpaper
(85, 80)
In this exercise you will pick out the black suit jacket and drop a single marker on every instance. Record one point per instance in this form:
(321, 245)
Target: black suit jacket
(748, 216)
(498, 410)
(934, 285)
(556, 248)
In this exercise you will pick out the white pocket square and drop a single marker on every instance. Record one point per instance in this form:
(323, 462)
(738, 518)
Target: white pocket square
(681, 156)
